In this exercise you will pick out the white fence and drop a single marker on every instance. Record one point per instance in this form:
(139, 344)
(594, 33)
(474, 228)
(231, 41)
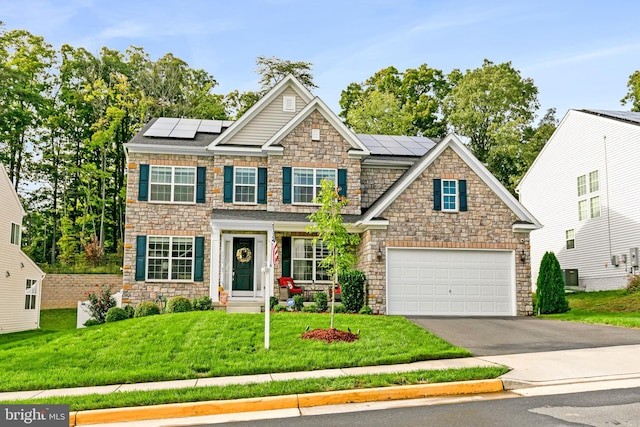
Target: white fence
(84, 313)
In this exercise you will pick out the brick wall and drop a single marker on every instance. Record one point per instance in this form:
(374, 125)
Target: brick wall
(65, 290)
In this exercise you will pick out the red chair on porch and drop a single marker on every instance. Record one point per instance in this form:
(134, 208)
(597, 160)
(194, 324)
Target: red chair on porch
(292, 289)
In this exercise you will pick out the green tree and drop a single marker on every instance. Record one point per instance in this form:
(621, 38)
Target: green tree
(489, 104)
(379, 113)
(273, 69)
(550, 286)
(633, 92)
(328, 227)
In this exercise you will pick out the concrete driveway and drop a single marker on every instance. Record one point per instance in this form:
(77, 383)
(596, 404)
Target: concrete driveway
(514, 335)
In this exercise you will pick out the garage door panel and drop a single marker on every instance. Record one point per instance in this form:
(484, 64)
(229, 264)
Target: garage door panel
(450, 282)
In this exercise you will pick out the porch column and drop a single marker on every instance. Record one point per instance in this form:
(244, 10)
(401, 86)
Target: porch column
(215, 263)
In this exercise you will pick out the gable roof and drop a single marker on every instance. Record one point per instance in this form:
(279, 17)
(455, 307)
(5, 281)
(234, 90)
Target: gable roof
(288, 82)
(526, 220)
(623, 116)
(317, 105)
(4, 176)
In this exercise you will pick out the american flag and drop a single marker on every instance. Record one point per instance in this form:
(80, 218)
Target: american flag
(274, 250)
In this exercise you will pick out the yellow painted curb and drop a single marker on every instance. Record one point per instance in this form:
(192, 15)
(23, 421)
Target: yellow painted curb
(194, 409)
(183, 410)
(399, 392)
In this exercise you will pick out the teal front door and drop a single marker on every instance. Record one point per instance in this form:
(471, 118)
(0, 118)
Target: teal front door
(243, 263)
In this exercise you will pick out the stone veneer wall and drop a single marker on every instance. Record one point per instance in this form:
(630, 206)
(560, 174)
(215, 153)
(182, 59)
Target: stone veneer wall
(65, 290)
(375, 181)
(413, 223)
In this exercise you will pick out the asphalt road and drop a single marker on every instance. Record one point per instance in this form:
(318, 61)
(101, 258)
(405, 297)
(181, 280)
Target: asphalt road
(597, 409)
(514, 335)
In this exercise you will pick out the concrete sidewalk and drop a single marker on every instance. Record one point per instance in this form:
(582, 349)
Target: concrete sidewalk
(541, 373)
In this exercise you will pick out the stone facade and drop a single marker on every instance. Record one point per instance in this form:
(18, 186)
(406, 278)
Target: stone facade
(376, 180)
(65, 290)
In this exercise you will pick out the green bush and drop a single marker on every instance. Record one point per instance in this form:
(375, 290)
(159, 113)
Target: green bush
(352, 285)
(279, 308)
(633, 285)
(202, 303)
(116, 314)
(321, 301)
(179, 304)
(298, 302)
(273, 301)
(550, 289)
(129, 310)
(147, 308)
(339, 308)
(91, 322)
(311, 308)
(100, 303)
(366, 310)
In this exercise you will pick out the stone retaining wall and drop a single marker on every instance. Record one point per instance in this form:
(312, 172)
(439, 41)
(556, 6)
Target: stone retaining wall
(65, 290)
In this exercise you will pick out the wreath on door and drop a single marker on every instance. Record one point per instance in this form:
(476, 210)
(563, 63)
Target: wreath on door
(243, 255)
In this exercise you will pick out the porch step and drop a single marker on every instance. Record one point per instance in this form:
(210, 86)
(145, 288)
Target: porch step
(245, 307)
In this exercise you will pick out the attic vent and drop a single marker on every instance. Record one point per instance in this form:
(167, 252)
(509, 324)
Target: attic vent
(289, 103)
(315, 134)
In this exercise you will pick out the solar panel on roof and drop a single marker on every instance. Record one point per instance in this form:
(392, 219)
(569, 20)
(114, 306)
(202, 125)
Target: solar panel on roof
(162, 127)
(210, 126)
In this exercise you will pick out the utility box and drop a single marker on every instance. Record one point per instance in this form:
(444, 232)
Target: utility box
(633, 257)
(570, 276)
(615, 261)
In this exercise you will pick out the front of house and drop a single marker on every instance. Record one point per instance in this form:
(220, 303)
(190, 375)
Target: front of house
(206, 199)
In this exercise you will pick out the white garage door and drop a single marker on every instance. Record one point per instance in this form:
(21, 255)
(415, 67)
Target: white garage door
(450, 282)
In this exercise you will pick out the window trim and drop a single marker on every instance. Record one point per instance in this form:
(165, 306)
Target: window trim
(255, 185)
(456, 195)
(31, 294)
(570, 233)
(588, 194)
(15, 234)
(591, 206)
(173, 184)
(170, 259)
(582, 185)
(316, 187)
(314, 261)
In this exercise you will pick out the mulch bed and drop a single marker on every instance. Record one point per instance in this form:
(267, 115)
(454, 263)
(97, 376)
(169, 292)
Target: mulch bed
(329, 335)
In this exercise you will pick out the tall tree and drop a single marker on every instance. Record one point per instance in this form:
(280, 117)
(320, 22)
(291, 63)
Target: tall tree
(633, 92)
(491, 104)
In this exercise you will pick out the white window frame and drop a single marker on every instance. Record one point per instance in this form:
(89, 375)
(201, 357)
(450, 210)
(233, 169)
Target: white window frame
(172, 184)
(315, 260)
(594, 181)
(316, 184)
(236, 185)
(582, 185)
(589, 196)
(455, 195)
(31, 294)
(570, 239)
(170, 259)
(594, 207)
(15, 234)
(583, 210)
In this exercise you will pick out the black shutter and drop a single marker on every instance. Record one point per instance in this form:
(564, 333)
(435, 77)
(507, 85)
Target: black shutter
(286, 256)
(286, 185)
(342, 182)
(437, 195)
(462, 190)
(201, 180)
(143, 183)
(262, 186)
(198, 267)
(228, 184)
(141, 258)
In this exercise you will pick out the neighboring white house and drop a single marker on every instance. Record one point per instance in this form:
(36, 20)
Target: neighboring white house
(584, 188)
(20, 277)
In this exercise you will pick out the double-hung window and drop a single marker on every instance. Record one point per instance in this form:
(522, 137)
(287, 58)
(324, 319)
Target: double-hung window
(589, 196)
(449, 195)
(15, 234)
(570, 236)
(31, 292)
(173, 184)
(245, 184)
(306, 183)
(306, 259)
(170, 258)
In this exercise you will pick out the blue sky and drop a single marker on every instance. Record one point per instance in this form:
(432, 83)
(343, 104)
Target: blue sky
(579, 53)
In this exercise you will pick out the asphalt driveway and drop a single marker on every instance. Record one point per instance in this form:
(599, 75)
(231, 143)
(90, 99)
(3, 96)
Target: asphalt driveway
(514, 335)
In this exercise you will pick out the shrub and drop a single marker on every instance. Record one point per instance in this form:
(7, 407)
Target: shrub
(273, 301)
(352, 285)
(116, 314)
(298, 302)
(147, 308)
(633, 285)
(321, 301)
(100, 303)
(91, 322)
(202, 303)
(339, 308)
(179, 304)
(311, 308)
(366, 310)
(551, 295)
(129, 310)
(279, 308)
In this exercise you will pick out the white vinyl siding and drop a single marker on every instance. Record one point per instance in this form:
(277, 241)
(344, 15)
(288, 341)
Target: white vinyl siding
(554, 202)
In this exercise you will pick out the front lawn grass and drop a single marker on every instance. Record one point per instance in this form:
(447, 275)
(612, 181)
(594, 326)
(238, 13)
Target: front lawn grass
(618, 308)
(208, 344)
(272, 388)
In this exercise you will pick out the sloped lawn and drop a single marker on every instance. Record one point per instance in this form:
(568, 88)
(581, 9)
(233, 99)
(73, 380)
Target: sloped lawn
(617, 308)
(206, 344)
